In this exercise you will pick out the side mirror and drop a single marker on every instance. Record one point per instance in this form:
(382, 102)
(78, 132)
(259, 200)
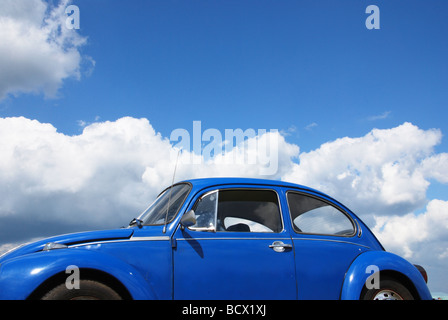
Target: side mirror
(188, 219)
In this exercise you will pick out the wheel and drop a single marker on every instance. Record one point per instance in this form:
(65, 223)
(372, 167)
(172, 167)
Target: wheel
(389, 290)
(88, 290)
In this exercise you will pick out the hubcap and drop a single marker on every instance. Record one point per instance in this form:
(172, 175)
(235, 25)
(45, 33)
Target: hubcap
(387, 295)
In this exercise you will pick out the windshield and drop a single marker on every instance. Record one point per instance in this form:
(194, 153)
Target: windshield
(171, 199)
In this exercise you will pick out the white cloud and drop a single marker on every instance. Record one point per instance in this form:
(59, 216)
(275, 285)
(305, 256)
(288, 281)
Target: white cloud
(422, 238)
(381, 116)
(52, 183)
(311, 126)
(120, 164)
(37, 51)
(436, 167)
(106, 174)
(91, 176)
(384, 172)
(406, 234)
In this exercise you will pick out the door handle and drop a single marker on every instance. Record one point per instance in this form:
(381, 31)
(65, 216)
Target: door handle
(279, 246)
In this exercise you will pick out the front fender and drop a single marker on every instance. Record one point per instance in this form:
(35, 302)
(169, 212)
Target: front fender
(20, 276)
(359, 271)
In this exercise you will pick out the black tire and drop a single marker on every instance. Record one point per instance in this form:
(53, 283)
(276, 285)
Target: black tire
(389, 290)
(88, 290)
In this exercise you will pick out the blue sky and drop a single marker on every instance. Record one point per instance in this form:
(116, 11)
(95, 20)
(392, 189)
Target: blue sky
(256, 64)
(310, 69)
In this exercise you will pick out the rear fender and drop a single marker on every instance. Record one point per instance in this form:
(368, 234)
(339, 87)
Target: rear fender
(361, 268)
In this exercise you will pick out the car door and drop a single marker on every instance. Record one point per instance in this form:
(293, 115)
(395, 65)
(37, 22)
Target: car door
(238, 248)
(325, 241)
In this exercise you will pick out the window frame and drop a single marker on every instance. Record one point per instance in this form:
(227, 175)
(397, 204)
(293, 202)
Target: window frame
(251, 188)
(328, 202)
(196, 204)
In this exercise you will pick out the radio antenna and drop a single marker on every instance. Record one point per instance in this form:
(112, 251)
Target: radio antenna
(171, 191)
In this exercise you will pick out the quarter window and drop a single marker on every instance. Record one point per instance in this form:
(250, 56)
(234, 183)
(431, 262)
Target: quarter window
(238, 210)
(315, 216)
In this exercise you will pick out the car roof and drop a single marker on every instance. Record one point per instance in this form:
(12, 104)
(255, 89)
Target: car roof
(208, 182)
(202, 183)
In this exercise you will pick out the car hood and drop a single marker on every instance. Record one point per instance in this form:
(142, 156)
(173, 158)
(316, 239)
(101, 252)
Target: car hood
(69, 239)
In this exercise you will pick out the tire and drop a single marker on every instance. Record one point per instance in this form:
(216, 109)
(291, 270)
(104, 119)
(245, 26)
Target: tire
(389, 290)
(88, 290)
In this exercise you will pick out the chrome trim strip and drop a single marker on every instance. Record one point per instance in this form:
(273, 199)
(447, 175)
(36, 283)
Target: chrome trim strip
(359, 228)
(152, 238)
(331, 240)
(233, 238)
(132, 239)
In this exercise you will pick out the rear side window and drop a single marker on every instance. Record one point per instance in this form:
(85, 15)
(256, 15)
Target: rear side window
(315, 216)
(239, 210)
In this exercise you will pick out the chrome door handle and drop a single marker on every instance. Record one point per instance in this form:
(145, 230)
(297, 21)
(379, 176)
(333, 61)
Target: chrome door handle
(279, 246)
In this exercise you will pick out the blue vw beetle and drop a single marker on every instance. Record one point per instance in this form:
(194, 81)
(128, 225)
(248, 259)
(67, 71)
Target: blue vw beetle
(219, 238)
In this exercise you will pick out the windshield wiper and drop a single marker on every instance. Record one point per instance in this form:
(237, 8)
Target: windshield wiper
(136, 221)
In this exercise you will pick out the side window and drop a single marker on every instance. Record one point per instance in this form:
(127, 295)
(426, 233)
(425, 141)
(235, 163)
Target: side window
(238, 210)
(311, 215)
(248, 210)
